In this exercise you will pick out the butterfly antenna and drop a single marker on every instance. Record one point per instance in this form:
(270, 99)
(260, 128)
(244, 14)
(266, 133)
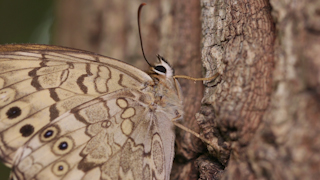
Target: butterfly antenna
(139, 11)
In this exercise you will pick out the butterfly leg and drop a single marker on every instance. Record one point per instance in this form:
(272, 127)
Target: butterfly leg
(213, 144)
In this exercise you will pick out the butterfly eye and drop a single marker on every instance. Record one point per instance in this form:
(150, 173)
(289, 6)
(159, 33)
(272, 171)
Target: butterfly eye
(161, 69)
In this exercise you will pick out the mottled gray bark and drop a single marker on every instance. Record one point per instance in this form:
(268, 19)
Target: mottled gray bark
(267, 102)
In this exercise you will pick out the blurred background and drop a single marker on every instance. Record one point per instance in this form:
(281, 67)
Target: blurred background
(24, 22)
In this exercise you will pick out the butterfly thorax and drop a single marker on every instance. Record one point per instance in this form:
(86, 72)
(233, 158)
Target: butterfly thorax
(166, 90)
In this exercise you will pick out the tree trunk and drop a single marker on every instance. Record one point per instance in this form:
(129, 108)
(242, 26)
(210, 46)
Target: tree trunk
(267, 102)
(260, 114)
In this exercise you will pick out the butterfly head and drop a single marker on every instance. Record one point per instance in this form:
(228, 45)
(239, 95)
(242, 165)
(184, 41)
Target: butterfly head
(163, 68)
(166, 89)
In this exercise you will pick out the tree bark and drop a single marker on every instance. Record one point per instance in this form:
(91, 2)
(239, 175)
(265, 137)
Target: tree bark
(238, 43)
(261, 115)
(267, 102)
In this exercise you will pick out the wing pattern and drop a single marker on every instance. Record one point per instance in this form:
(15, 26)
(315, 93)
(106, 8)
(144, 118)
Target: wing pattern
(70, 114)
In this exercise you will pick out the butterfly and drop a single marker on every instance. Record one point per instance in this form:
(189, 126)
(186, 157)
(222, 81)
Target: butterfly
(72, 114)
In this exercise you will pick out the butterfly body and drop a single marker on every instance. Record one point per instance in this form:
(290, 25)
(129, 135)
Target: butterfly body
(71, 114)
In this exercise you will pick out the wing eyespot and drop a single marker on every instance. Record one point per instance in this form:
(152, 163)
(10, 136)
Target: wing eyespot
(26, 130)
(13, 112)
(63, 145)
(49, 133)
(60, 168)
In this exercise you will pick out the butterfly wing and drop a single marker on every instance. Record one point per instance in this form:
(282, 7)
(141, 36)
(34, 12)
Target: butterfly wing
(39, 85)
(70, 114)
(115, 136)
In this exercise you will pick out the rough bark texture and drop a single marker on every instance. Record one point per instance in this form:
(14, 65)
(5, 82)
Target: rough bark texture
(287, 144)
(238, 43)
(270, 125)
(261, 114)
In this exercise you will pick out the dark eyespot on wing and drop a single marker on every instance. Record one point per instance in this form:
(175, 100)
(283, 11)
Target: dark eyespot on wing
(13, 112)
(48, 134)
(26, 130)
(63, 145)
